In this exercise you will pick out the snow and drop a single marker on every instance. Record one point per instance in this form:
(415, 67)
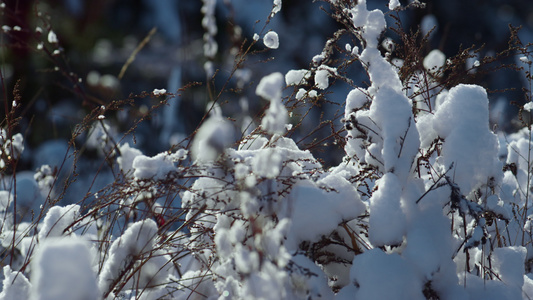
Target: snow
(241, 171)
(528, 286)
(472, 62)
(377, 276)
(434, 60)
(264, 218)
(446, 282)
(463, 121)
(58, 219)
(355, 100)
(245, 260)
(267, 163)
(394, 4)
(388, 45)
(372, 22)
(5, 200)
(297, 77)
(355, 51)
(429, 246)
(387, 224)
(277, 7)
(52, 37)
(156, 167)
(276, 116)
(63, 269)
(99, 134)
(271, 40)
(348, 47)
(159, 92)
(322, 75)
(317, 59)
(528, 106)
(268, 283)
(314, 287)
(478, 288)
(508, 263)
(497, 206)
(392, 113)
(209, 24)
(137, 239)
(223, 242)
(15, 285)
(215, 134)
(13, 146)
(127, 156)
(300, 94)
(425, 129)
(381, 72)
(316, 212)
(270, 86)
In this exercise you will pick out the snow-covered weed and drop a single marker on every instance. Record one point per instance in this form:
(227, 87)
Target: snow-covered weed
(427, 202)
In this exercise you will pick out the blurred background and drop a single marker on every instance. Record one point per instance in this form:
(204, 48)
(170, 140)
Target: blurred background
(61, 82)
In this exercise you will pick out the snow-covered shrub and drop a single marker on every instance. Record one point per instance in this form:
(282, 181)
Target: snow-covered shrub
(427, 201)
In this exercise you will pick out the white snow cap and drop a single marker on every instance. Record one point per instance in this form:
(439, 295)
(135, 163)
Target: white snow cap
(434, 60)
(5, 200)
(393, 4)
(318, 208)
(373, 22)
(276, 115)
(52, 37)
(127, 156)
(157, 166)
(387, 220)
(215, 134)
(270, 86)
(528, 106)
(322, 75)
(158, 92)
(376, 273)
(508, 262)
(15, 285)
(277, 7)
(271, 40)
(463, 121)
(296, 77)
(137, 239)
(267, 163)
(356, 99)
(57, 219)
(275, 118)
(62, 269)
